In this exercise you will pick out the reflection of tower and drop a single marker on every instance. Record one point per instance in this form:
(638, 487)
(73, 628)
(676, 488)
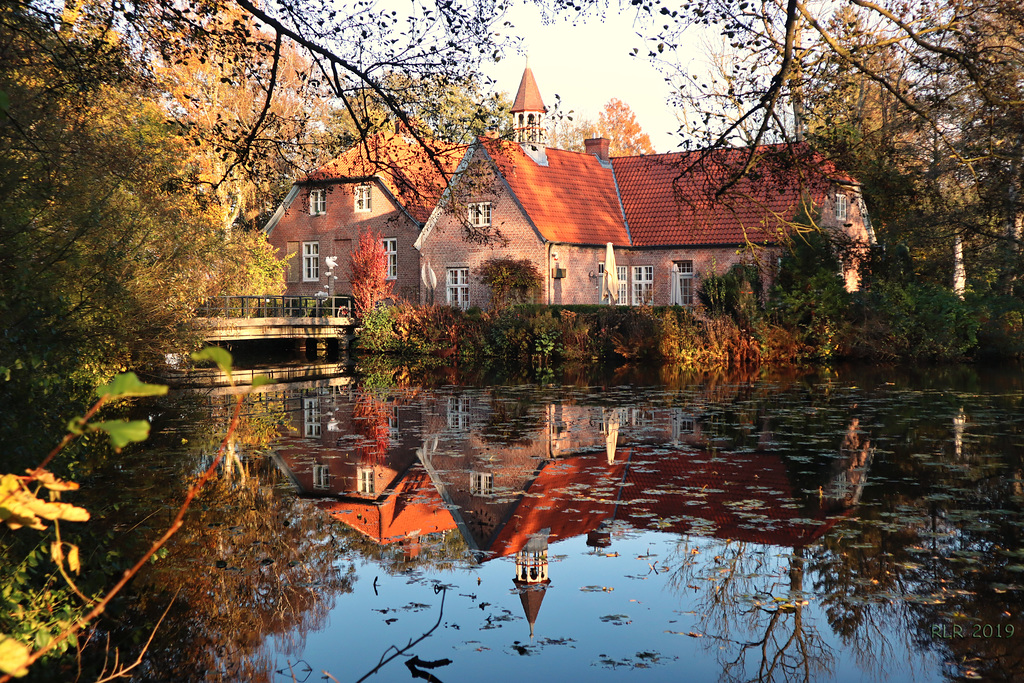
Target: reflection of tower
(532, 574)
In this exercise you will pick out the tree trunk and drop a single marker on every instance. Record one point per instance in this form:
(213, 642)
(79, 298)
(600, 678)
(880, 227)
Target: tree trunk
(959, 272)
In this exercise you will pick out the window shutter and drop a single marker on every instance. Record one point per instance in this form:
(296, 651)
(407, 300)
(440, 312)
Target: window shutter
(293, 264)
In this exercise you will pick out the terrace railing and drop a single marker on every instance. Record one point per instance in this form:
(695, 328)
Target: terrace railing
(276, 307)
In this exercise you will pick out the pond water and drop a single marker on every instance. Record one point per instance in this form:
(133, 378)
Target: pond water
(861, 524)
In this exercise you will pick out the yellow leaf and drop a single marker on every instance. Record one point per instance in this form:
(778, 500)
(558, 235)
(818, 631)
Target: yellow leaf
(51, 482)
(19, 506)
(57, 552)
(13, 657)
(73, 562)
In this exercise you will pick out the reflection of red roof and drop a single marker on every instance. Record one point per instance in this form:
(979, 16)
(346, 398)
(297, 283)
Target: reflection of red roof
(401, 164)
(571, 496)
(528, 97)
(572, 199)
(412, 508)
(746, 497)
(670, 199)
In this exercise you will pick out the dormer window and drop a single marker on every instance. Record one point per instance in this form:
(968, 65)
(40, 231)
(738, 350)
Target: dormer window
(363, 203)
(480, 214)
(842, 206)
(317, 202)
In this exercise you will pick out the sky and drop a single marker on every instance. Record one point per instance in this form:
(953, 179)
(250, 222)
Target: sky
(589, 64)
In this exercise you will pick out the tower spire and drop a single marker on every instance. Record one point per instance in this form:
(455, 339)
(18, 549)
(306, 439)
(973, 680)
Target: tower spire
(528, 110)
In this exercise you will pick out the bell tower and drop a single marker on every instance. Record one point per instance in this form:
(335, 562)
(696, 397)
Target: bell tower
(528, 111)
(532, 580)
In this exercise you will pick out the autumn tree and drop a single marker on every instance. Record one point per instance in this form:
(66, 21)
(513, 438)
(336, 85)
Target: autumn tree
(370, 283)
(616, 122)
(929, 91)
(244, 149)
(569, 132)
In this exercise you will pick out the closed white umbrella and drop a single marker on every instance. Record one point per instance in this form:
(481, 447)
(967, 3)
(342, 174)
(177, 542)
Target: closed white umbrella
(611, 276)
(430, 280)
(612, 437)
(677, 294)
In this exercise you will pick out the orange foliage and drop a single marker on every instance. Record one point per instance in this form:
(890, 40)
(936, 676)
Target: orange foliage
(371, 421)
(618, 123)
(370, 283)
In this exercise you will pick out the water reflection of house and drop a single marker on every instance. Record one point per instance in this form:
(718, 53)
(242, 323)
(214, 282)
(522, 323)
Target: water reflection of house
(567, 470)
(346, 443)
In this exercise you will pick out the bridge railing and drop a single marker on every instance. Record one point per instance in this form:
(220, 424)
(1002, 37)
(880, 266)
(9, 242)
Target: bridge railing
(276, 307)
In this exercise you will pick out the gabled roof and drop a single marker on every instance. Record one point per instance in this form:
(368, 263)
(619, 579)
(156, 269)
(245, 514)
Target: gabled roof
(528, 97)
(572, 199)
(678, 198)
(408, 171)
(412, 508)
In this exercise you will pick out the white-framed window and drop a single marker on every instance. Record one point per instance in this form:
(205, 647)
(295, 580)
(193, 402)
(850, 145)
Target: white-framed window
(311, 417)
(458, 413)
(317, 201)
(480, 214)
(321, 477)
(684, 271)
(391, 249)
(310, 261)
(842, 206)
(643, 284)
(481, 483)
(623, 273)
(363, 199)
(458, 287)
(683, 424)
(393, 425)
(365, 481)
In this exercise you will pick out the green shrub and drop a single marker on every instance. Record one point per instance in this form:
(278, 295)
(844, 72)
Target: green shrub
(511, 281)
(378, 333)
(733, 293)
(917, 321)
(810, 298)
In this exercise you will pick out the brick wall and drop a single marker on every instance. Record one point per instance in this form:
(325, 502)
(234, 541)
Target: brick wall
(446, 247)
(337, 231)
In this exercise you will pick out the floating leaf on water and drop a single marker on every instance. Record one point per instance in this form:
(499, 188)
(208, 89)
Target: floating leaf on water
(617, 619)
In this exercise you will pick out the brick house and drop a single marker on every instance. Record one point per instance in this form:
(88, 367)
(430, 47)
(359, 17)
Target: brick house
(666, 215)
(671, 218)
(389, 185)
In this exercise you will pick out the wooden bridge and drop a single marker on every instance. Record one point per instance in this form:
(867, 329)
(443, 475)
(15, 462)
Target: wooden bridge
(237, 318)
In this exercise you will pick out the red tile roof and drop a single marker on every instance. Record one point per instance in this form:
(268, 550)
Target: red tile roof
(412, 508)
(572, 199)
(402, 165)
(677, 199)
(528, 98)
(723, 495)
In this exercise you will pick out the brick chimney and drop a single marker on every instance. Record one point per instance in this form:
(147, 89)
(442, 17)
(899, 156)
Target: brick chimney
(598, 146)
